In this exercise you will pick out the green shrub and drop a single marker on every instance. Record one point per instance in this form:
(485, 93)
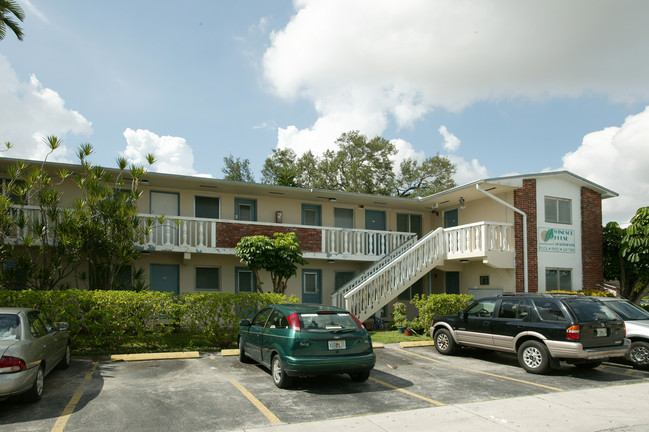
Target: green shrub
(121, 320)
(431, 306)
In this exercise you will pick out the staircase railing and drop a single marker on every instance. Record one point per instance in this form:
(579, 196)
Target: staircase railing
(379, 288)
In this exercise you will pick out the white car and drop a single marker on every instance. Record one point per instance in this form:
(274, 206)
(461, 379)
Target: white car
(637, 329)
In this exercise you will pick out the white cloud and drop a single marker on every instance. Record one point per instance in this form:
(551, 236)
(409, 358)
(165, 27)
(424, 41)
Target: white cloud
(173, 155)
(617, 158)
(451, 142)
(394, 62)
(30, 112)
(467, 171)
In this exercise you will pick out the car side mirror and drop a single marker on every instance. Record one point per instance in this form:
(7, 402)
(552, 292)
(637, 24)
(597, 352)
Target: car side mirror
(244, 323)
(62, 326)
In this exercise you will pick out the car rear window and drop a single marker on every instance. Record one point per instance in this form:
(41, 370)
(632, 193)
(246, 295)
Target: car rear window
(590, 310)
(627, 310)
(328, 322)
(9, 325)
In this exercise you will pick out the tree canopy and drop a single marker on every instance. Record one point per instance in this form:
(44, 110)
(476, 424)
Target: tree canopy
(626, 255)
(237, 169)
(360, 165)
(10, 10)
(279, 255)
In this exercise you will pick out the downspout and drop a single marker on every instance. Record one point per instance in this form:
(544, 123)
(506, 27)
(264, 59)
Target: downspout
(506, 204)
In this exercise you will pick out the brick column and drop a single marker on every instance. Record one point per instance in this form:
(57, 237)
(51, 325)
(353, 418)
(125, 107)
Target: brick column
(592, 253)
(525, 200)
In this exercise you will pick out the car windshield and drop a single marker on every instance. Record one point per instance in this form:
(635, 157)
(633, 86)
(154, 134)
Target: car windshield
(9, 324)
(588, 310)
(627, 310)
(328, 322)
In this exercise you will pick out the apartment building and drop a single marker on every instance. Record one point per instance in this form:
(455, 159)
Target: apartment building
(532, 232)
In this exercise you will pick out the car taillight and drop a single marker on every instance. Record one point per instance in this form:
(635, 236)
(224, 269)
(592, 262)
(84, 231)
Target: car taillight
(294, 322)
(12, 364)
(572, 332)
(358, 321)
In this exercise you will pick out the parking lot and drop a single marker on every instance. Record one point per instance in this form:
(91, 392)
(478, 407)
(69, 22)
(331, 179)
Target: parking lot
(217, 392)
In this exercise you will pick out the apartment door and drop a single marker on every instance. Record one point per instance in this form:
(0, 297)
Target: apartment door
(450, 218)
(245, 209)
(165, 204)
(375, 220)
(165, 278)
(312, 286)
(452, 282)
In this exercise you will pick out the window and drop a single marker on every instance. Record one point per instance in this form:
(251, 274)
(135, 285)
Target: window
(341, 278)
(208, 278)
(482, 309)
(261, 318)
(558, 210)
(512, 308)
(244, 280)
(206, 207)
(124, 277)
(311, 215)
(409, 223)
(277, 320)
(484, 280)
(245, 209)
(343, 218)
(36, 326)
(310, 282)
(549, 310)
(558, 279)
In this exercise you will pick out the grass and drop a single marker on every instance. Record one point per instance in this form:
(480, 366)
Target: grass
(393, 336)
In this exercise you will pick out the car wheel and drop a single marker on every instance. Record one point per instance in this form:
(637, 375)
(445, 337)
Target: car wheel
(534, 357)
(35, 393)
(67, 358)
(638, 355)
(360, 376)
(243, 358)
(280, 379)
(588, 365)
(444, 342)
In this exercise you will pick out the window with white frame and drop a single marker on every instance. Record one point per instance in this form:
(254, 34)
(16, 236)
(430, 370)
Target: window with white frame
(208, 279)
(558, 210)
(558, 279)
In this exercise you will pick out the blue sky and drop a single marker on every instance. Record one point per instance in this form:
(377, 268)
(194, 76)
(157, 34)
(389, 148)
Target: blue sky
(500, 87)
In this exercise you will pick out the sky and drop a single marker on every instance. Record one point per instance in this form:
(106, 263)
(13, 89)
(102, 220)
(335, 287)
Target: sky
(500, 87)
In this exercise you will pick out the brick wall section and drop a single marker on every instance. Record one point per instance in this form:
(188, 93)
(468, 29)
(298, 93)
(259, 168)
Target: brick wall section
(591, 239)
(229, 234)
(525, 200)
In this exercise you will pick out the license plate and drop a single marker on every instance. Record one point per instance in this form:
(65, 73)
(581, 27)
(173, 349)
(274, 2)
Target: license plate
(601, 332)
(337, 345)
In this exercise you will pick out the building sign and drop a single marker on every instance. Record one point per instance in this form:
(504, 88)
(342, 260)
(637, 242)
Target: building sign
(557, 240)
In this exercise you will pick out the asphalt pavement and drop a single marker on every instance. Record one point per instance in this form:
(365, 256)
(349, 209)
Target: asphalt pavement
(616, 408)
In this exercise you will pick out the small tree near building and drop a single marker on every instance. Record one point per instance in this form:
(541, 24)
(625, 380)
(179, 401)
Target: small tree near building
(279, 256)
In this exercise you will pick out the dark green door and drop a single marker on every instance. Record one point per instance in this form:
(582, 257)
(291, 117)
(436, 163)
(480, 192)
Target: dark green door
(375, 220)
(165, 278)
(450, 218)
(452, 282)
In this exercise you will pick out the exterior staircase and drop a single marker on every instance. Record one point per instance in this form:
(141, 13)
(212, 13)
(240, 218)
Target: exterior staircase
(491, 243)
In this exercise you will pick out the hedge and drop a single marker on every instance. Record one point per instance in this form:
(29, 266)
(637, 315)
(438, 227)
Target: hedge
(107, 320)
(433, 305)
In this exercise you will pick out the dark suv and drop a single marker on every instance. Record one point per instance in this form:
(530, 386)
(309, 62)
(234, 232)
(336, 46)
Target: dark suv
(542, 329)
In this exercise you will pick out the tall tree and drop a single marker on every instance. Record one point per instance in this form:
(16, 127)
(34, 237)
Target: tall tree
(237, 169)
(9, 11)
(435, 174)
(280, 168)
(626, 255)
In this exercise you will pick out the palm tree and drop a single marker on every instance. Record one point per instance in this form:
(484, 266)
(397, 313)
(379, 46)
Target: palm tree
(7, 9)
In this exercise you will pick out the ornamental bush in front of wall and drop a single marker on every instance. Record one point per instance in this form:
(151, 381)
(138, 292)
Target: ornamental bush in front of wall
(116, 320)
(433, 305)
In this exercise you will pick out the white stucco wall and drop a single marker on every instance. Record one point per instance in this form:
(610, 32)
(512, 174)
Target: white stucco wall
(558, 254)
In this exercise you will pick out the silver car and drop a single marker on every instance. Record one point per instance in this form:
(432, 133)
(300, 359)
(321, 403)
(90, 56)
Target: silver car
(31, 346)
(637, 329)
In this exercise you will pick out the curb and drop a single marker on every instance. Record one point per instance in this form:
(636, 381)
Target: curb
(155, 356)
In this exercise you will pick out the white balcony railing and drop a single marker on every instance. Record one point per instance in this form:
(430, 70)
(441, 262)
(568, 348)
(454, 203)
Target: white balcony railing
(177, 233)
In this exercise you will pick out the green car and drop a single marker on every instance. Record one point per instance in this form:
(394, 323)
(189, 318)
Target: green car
(306, 339)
